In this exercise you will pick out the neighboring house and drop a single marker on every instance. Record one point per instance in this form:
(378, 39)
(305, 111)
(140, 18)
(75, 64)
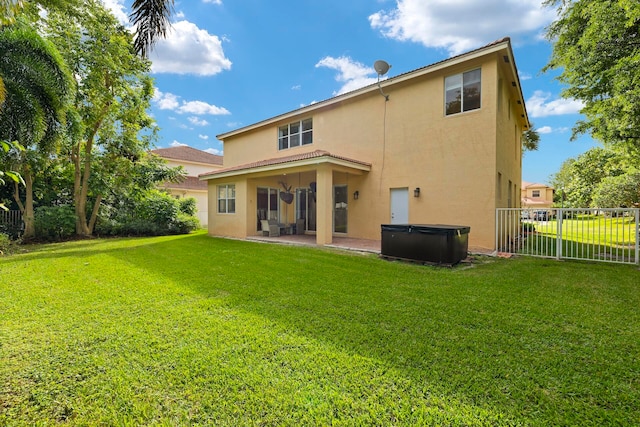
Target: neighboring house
(536, 196)
(194, 162)
(445, 148)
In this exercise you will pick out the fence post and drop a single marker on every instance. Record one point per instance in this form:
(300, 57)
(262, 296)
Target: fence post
(497, 231)
(559, 219)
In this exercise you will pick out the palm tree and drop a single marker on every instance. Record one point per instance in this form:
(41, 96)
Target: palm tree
(38, 90)
(151, 18)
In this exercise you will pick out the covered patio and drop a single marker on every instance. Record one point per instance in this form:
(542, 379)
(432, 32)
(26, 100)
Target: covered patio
(307, 194)
(346, 243)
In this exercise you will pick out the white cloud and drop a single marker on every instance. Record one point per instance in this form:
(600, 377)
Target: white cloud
(460, 25)
(189, 50)
(118, 9)
(212, 1)
(176, 143)
(352, 74)
(204, 137)
(311, 103)
(169, 101)
(201, 107)
(545, 129)
(524, 76)
(165, 101)
(214, 151)
(540, 106)
(296, 87)
(197, 122)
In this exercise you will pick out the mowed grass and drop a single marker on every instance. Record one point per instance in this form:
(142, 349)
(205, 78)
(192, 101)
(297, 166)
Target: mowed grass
(595, 229)
(594, 237)
(192, 330)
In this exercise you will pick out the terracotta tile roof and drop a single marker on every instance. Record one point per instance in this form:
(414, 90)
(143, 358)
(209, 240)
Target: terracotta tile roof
(189, 183)
(188, 154)
(283, 160)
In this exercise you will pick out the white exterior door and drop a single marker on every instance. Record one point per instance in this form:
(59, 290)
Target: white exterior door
(399, 206)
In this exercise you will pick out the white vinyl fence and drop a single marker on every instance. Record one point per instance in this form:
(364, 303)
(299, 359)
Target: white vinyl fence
(608, 235)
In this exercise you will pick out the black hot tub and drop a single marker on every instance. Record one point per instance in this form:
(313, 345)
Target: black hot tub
(437, 244)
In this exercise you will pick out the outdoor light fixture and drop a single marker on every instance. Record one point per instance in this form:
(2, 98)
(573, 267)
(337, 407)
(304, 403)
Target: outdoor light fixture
(356, 194)
(381, 68)
(416, 192)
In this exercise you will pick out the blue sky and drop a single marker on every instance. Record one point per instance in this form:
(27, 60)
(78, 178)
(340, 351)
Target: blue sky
(231, 63)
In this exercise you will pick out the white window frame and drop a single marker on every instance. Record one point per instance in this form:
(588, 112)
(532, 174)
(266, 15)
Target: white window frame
(295, 134)
(459, 82)
(226, 193)
(535, 193)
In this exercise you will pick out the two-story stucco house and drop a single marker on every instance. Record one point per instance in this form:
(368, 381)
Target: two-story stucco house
(444, 148)
(534, 195)
(194, 162)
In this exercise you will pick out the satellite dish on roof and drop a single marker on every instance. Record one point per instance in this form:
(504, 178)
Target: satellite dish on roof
(381, 67)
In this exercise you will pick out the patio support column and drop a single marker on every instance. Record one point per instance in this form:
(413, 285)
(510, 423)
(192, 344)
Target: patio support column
(324, 205)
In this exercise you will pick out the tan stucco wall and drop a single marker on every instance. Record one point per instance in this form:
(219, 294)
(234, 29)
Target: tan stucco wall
(410, 143)
(545, 200)
(228, 225)
(192, 169)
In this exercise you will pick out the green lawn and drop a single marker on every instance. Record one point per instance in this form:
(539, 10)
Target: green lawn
(189, 330)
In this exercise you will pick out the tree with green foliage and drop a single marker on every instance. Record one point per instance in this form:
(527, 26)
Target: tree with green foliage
(5, 148)
(38, 91)
(596, 46)
(622, 191)
(114, 93)
(150, 18)
(579, 177)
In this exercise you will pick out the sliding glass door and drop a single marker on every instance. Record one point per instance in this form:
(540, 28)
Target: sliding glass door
(306, 208)
(267, 204)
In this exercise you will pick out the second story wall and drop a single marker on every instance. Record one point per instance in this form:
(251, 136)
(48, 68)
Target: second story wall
(509, 116)
(193, 169)
(405, 136)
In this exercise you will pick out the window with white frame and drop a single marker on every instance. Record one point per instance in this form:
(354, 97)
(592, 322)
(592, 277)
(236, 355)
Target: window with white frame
(227, 198)
(295, 134)
(535, 193)
(462, 92)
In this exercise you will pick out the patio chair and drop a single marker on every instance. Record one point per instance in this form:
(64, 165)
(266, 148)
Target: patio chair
(270, 228)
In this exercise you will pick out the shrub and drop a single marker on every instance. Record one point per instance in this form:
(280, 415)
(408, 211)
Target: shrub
(187, 206)
(184, 224)
(55, 222)
(13, 231)
(152, 213)
(5, 244)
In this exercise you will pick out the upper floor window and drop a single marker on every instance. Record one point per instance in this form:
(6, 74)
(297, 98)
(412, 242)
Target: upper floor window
(462, 92)
(227, 198)
(295, 134)
(535, 193)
